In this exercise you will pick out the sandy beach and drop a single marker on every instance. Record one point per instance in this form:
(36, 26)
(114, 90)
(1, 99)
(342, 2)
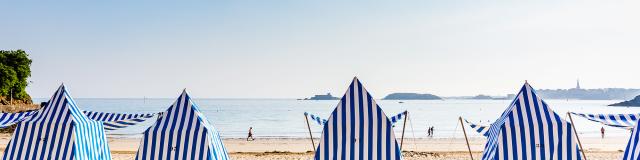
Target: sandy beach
(299, 148)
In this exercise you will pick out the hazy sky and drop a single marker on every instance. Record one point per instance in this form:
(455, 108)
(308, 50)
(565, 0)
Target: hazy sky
(294, 49)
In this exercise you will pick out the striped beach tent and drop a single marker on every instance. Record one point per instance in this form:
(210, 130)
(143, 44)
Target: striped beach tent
(320, 121)
(632, 151)
(626, 121)
(182, 132)
(58, 131)
(357, 129)
(112, 117)
(8, 119)
(398, 117)
(114, 121)
(530, 129)
(315, 118)
(482, 129)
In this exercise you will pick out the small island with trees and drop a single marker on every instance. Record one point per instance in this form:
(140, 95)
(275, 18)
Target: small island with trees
(411, 96)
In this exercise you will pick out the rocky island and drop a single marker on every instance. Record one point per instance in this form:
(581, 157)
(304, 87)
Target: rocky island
(634, 102)
(327, 96)
(482, 96)
(411, 96)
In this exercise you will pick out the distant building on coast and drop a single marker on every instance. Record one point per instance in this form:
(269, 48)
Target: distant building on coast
(588, 94)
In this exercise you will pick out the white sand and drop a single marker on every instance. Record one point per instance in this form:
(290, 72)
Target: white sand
(125, 148)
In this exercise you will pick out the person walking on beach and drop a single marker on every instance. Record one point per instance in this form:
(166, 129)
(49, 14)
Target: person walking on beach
(250, 136)
(602, 132)
(428, 131)
(432, 131)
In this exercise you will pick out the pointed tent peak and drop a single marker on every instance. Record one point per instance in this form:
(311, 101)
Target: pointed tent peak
(184, 91)
(61, 90)
(526, 85)
(184, 97)
(356, 80)
(61, 86)
(184, 94)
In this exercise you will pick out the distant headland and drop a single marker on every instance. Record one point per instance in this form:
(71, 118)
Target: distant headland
(411, 96)
(487, 97)
(484, 97)
(635, 102)
(327, 96)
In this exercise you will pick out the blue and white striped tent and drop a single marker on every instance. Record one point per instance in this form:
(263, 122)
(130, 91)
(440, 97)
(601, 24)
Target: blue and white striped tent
(320, 121)
(315, 118)
(112, 117)
(398, 117)
(626, 121)
(358, 129)
(8, 119)
(529, 129)
(114, 121)
(482, 129)
(632, 151)
(58, 131)
(182, 132)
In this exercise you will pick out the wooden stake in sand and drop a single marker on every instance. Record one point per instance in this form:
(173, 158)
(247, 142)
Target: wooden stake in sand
(404, 125)
(313, 144)
(577, 137)
(465, 137)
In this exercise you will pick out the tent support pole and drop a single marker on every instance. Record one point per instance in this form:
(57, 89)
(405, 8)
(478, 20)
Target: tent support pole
(465, 137)
(404, 125)
(577, 137)
(313, 144)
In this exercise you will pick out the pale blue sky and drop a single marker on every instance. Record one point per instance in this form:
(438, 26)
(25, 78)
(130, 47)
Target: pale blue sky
(293, 49)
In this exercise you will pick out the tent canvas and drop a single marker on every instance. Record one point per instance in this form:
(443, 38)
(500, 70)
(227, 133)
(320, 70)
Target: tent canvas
(358, 129)
(626, 121)
(530, 129)
(115, 121)
(8, 119)
(182, 132)
(482, 129)
(632, 151)
(58, 131)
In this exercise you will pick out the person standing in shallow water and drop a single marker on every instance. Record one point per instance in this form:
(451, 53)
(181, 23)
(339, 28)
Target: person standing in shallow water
(250, 136)
(602, 132)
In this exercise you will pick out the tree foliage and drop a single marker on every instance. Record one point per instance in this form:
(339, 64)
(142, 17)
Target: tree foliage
(15, 68)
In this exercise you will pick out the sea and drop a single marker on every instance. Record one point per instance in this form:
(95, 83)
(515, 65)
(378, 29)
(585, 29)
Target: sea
(284, 118)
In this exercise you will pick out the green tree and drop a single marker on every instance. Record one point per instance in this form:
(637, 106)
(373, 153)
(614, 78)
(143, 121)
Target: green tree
(15, 68)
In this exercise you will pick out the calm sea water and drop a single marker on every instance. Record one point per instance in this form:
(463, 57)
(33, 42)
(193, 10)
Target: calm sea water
(284, 117)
